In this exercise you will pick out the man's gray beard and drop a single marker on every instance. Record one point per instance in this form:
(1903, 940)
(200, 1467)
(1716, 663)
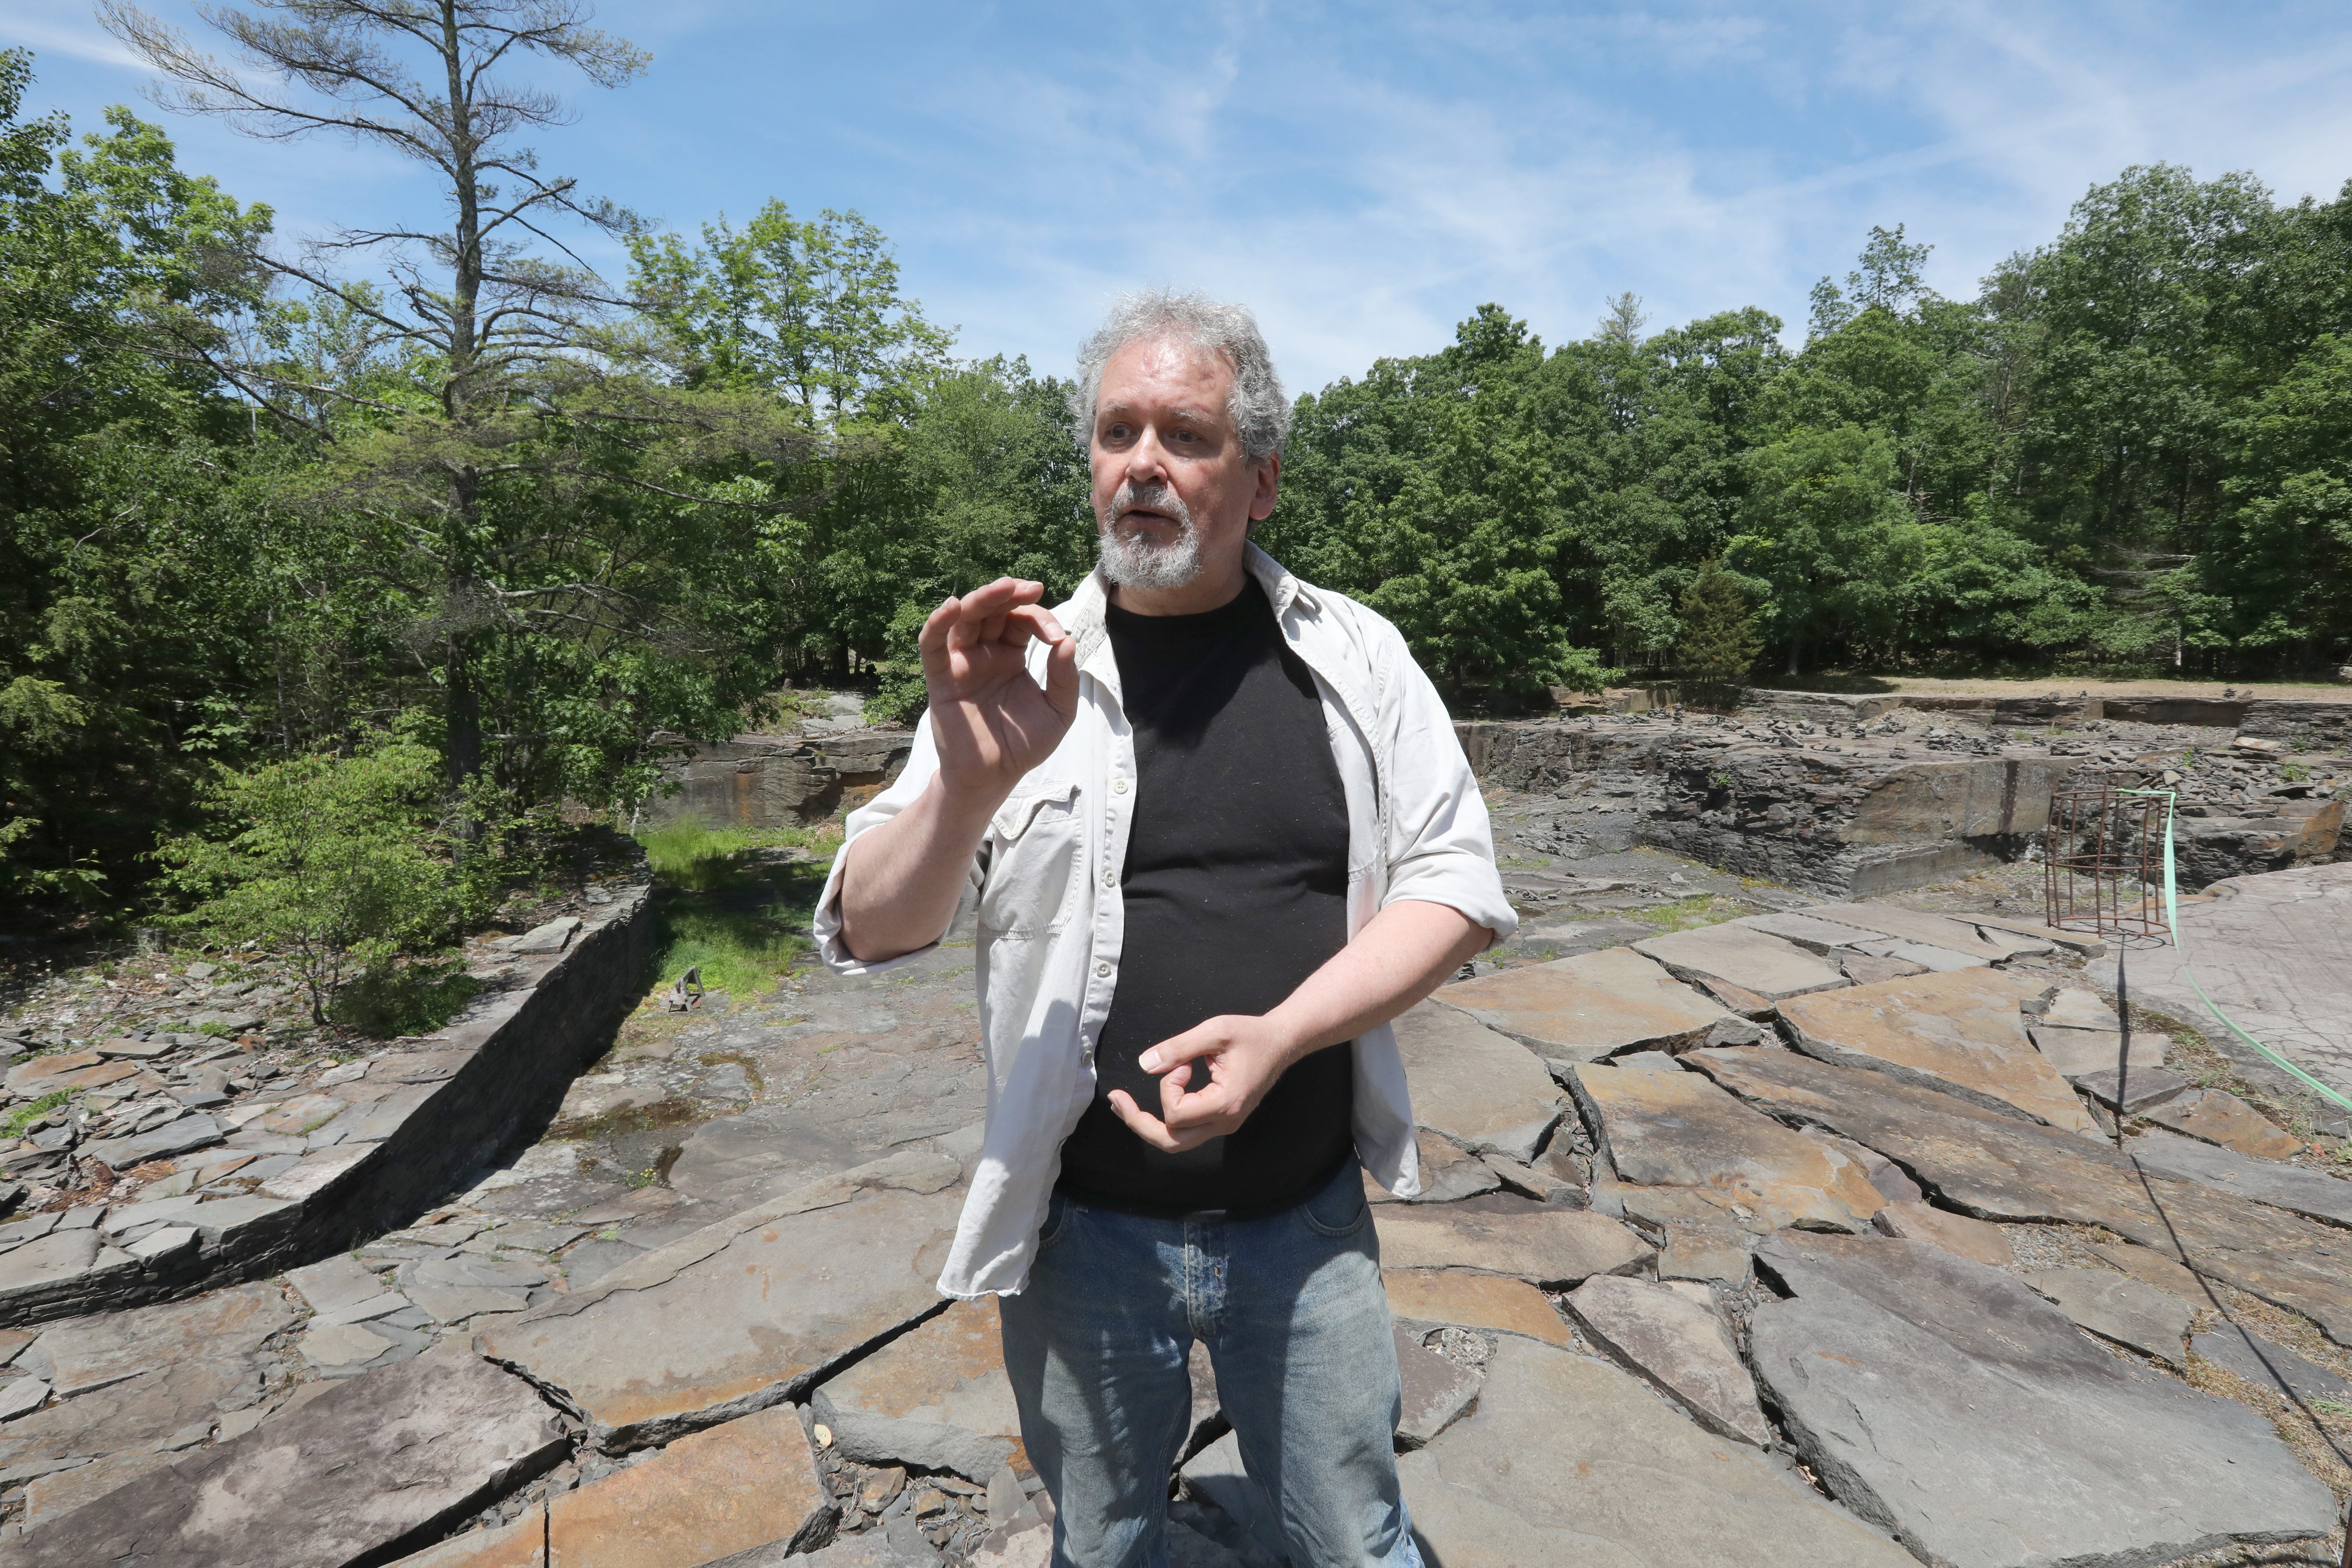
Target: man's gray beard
(1132, 560)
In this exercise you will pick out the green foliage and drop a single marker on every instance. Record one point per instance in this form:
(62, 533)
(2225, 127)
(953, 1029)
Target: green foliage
(339, 862)
(1718, 644)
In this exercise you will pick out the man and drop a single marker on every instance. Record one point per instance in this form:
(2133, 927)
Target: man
(1219, 833)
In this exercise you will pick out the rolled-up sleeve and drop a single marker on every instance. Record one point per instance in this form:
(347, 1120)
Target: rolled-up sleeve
(921, 764)
(1441, 843)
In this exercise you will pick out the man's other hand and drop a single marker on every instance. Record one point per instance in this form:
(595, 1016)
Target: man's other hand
(990, 721)
(1234, 1059)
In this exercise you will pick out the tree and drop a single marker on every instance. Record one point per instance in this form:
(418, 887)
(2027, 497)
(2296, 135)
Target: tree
(130, 619)
(572, 548)
(1825, 535)
(1718, 644)
(329, 860)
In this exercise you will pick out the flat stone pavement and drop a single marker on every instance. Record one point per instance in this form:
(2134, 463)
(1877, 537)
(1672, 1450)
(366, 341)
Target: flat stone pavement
(1659, 1307)
(2274, 952)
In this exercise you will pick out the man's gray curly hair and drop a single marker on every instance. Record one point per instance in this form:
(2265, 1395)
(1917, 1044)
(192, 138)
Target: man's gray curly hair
(1258, 408)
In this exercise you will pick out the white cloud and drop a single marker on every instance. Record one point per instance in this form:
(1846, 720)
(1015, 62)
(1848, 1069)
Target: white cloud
(42, 27)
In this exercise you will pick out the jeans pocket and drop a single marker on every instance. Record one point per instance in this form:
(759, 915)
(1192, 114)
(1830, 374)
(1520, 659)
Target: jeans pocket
(1057, 1221)
(1340, 1208)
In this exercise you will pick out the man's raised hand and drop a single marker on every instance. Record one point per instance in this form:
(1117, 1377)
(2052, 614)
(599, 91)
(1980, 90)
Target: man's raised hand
(991, 720)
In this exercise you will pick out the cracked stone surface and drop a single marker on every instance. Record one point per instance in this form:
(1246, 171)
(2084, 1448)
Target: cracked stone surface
(1480, 1090)
(1998, 1167)
(1534, 1242)
(2312, 1194)
(1755, 961)
(1678, 1343)
(1949, 1403)
(735, 1316)
(2117, 1307)
(1629, 1482)
(936, 1398)
(380, 1457)
(1431, 1296)
(1679, 1131)
(1583, 1008)
(1959, 1032)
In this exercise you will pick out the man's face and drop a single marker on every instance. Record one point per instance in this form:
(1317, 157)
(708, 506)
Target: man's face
(1174, 492)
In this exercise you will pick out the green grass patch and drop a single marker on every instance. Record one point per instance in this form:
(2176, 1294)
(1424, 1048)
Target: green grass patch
(24, 1116)
(726, 907)
(1683, 914)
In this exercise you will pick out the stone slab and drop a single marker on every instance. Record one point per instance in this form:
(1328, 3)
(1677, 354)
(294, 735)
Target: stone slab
(2314, 1194)
(1825, 938)
(1955, 1233)
(333, 1282)
(2076, 1007)
(1679, 1129)
(2152, 1267)
(1742, 956)
(184, 1136)
(1950, 1403)
(1868, 968)
(1925, 956)
(1997, 1167)
(2247, 1354)
(1435, 1391)
(103, 1347)
(1589, 1007)
(1628, 1482)
(1679, 1346)
(1706, 1252)
(1912, 925)
(370, 1462)
(1473, 1301)
(2131, 1093)
(2074, 1051)
(1961, 1033)
(2079, 942)
(751, 1482)
(1542, 1246)
(1481, 1090)
(934, 1398)
(2119, 1308)
(748, 1312)
(2217, 1116)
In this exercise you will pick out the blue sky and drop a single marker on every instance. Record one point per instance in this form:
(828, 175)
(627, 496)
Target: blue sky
(1366, 175)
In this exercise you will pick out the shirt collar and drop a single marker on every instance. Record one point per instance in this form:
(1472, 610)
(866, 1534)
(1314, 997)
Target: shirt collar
(1083, 617)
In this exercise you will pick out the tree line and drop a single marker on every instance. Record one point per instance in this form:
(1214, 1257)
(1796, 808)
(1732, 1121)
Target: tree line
(448, 493)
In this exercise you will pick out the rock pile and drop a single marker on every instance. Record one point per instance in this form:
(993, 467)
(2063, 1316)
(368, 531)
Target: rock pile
(192, 1134)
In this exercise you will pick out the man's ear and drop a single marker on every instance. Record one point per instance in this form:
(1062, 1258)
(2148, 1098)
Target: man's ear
(1269, 488)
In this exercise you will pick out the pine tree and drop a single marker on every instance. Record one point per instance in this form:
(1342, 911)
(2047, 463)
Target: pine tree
(1718, 643)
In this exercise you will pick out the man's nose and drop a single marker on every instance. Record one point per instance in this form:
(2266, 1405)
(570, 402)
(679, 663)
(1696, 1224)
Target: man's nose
(1147, 460)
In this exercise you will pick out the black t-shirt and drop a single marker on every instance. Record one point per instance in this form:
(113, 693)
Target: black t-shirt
(1236, 886)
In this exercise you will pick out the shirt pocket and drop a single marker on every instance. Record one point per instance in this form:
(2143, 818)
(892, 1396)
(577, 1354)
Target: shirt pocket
(1033, 859)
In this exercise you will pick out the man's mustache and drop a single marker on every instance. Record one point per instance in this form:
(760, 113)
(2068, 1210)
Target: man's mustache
(1159, 497)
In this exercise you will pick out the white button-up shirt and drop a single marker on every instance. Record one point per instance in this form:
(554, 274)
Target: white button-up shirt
(1051, 917)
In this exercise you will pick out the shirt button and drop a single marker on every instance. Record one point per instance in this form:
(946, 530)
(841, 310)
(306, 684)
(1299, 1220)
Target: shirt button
(1102, 971)
(1119, 786)
(1110, 879)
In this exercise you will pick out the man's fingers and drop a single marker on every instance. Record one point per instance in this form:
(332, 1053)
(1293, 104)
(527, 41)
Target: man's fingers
(1197, 1041)
(1145, 1125)
(1001, 595)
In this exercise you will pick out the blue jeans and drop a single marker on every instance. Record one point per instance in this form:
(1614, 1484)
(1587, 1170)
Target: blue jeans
(1291, 1309)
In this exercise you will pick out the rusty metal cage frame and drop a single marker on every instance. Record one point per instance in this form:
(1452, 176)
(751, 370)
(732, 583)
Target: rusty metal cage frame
(2101, 836)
